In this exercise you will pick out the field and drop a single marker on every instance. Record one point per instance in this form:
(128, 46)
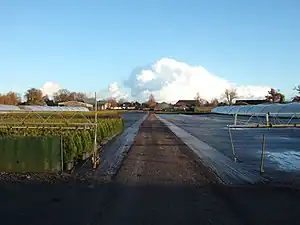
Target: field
(76, 130)
(281, 152)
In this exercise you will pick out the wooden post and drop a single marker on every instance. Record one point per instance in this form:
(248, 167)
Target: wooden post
(95, 159)
(61, 153)
(263, 144)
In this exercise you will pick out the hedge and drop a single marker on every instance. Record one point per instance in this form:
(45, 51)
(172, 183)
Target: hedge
(76, 142)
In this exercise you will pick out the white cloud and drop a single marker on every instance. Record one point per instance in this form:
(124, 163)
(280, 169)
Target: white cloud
(170, 80)
(112, 91)
(115, 91)
(49, 88)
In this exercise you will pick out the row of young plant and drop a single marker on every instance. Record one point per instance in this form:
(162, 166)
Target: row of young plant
(77, 143)
(32, 116)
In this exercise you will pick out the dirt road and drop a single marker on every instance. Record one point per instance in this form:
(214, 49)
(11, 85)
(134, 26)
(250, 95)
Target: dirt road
(160, 182)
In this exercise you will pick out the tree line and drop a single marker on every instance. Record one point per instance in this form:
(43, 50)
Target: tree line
(34, 96)
(273, 96)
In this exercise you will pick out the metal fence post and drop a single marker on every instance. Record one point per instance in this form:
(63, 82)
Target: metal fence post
(235, 119)
(232, 145)
(267, 120)
(263, 144)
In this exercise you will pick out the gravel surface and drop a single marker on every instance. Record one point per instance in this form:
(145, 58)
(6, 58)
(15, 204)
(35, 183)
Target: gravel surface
(160, 182)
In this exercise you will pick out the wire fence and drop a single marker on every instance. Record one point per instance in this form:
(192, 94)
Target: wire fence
(267, 119)
(280, 148)
(244, 145)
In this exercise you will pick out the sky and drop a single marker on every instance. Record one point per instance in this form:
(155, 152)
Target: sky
(131, 48)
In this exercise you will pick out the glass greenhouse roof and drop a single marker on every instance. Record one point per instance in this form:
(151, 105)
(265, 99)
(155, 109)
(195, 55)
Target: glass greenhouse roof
(9, 108)
(273, 109)
(55, 108)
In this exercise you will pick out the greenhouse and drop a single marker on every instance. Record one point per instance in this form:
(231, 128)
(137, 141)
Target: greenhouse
(9, 108)
(37, 108)
(279, 110)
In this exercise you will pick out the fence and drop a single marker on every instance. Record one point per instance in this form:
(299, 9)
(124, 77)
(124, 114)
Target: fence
(267, 120)
(244, 144)
(270, 150)
(30, 154)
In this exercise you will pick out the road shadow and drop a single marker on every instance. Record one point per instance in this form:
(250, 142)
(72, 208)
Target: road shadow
(163, 202)
(169, 203)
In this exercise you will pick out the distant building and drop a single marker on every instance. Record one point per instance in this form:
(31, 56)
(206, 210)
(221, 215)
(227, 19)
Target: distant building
(250, 102)
(128, 105)
(103, 105)
(163, 106)
(186, 105)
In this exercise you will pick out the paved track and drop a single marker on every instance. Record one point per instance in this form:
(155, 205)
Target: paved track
(131, 117)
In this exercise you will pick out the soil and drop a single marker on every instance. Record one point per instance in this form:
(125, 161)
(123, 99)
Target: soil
(160, 182)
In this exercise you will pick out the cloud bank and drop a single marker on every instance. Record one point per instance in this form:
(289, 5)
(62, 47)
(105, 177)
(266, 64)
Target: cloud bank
(114, 91)
(169, 80)
(49, 88)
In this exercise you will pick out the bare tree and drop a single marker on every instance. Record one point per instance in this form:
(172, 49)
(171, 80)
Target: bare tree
(34, 97)
(274, 96)
(62, 95)
(77, 96)
(200, 101)
(151, 101)
(230, 95)
(297, 97)
(214, 102)
(112, 102)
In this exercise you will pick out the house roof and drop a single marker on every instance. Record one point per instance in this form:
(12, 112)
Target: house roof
(186, 102)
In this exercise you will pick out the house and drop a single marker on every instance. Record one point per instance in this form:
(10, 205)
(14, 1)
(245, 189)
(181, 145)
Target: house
(128, 105)
(103, 105)
(250, 102)
(163, 106)
(186, 105)
(76, 104)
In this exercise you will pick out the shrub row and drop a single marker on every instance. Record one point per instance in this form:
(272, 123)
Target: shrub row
(60, 115)
(76, 142)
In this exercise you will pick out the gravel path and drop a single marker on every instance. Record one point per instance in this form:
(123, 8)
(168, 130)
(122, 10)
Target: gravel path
(160, 182)
(163, 182)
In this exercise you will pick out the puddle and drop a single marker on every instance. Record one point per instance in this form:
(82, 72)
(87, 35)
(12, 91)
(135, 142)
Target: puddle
(286, 161)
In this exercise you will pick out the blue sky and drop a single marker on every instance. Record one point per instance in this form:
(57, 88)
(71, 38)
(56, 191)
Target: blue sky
(86, 45)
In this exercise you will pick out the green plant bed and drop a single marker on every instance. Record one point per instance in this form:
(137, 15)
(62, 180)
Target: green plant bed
(76, 143)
